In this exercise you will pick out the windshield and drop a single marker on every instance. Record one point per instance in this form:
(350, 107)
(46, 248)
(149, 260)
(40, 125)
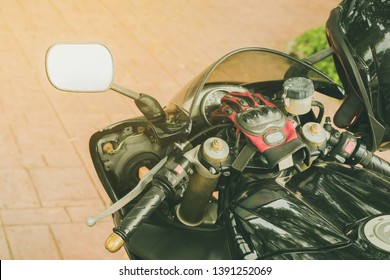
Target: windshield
(251, 68)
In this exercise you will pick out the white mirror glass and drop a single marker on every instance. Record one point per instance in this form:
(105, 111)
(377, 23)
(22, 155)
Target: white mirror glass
(80, 67)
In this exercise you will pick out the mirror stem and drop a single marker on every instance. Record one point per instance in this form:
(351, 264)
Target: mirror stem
(149, 106)
(126, 92)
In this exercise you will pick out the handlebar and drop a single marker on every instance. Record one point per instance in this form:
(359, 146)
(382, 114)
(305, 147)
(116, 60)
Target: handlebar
(371, 161)
(140, 212)
(166, 183)
(169, 180)
(346, 148)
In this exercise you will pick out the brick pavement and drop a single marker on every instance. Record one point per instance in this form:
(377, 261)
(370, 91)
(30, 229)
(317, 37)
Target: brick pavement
(47, 182)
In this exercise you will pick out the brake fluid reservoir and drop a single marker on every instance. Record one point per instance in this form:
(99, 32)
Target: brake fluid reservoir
(202, 183)
(298, 94)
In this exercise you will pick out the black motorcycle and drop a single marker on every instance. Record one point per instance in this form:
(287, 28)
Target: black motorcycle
(242, 164)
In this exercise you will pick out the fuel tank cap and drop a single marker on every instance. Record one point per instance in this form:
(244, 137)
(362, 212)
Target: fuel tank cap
(377, 232)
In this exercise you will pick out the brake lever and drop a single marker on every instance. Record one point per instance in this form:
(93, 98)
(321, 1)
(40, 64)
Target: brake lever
(91, 221)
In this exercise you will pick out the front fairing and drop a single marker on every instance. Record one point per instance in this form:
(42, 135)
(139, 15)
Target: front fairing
(307, 218)
(249, 69)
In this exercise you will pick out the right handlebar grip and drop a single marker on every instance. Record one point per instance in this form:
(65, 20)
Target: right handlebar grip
(375, 163)
(141, 211)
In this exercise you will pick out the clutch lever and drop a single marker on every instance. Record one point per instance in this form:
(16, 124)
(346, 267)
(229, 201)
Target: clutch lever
(91, 221)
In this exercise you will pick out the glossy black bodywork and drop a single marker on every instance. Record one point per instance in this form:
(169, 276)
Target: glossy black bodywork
(359, 33)
(158, 239)
(318, 214)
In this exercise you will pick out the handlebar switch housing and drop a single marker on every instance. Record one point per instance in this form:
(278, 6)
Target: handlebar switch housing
(170, 177)
(345, 147)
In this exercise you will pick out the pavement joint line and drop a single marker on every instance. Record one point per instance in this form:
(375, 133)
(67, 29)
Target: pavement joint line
(8, 244)
(56, 243)
(35, 186)
(15, 138)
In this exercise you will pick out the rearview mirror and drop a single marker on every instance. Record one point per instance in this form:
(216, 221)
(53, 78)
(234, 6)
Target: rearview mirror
(80, 67)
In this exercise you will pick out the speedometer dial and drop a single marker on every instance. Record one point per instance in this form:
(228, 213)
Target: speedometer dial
(210, 102)
(212, 98)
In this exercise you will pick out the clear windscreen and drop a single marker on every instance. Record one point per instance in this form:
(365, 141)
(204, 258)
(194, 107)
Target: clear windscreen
(250, 66)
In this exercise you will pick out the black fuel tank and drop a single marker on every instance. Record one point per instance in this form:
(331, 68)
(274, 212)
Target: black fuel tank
(322, 213)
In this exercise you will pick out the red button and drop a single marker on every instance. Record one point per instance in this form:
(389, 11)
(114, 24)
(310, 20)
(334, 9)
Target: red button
(350, 147)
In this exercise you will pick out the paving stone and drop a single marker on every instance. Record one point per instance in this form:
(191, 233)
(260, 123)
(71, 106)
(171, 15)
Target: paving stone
(78, 125)
(63, 185)
(98, 185)
(66, 104)
(62, 159)
(11, 118)
(32, 242)
(46, 116)
(41, 138)
(14, 159)
(16, 189)
(8, 141)
(81, 213)
(34, 216)
(102, 105)
(22, 98)
(4, 247)
(97, 202)
(77, 241)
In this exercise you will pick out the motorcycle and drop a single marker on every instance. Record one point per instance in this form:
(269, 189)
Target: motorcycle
(241, 164)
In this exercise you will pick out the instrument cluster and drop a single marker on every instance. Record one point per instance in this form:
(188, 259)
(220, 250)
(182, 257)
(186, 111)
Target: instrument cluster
(212, 99)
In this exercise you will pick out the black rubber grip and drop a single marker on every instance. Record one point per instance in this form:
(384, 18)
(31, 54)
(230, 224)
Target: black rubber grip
(375, 163)
(141, 211)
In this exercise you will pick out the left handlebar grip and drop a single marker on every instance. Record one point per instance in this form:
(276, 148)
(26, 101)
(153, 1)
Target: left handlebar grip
(141, 211)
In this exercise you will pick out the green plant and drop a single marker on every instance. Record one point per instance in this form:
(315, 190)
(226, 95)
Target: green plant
(310, 42)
